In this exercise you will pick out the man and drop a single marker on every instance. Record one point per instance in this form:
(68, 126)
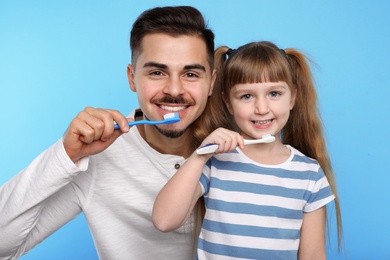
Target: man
(113, 176)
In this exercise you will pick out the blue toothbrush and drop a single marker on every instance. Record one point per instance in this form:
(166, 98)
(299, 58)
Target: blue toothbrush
(168, 119)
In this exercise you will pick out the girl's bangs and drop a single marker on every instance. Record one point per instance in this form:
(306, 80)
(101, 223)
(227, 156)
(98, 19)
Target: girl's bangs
(256, 70)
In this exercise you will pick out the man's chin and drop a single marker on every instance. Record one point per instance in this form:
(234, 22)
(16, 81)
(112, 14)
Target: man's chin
(170, 133)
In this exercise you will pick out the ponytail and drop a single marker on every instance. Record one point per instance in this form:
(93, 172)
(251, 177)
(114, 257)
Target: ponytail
(304, 127)
(215, 114)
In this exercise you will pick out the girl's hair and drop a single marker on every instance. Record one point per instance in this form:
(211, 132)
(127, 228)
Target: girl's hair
(259, 62)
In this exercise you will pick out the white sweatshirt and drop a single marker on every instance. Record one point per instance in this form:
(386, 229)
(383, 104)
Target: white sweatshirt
(114, 189)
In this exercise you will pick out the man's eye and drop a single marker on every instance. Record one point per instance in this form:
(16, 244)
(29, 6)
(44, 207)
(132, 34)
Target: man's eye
(156, 73)
(191, 75)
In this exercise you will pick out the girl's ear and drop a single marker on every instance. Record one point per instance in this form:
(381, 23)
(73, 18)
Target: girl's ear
(130, 77)
(293, 98)
(227, 103)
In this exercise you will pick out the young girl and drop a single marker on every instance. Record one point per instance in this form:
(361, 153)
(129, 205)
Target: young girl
(267, 200)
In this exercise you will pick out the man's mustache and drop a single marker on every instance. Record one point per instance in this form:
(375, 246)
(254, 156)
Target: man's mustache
(173, 100)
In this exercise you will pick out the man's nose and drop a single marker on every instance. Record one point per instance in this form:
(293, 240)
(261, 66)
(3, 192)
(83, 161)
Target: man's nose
(174, 87)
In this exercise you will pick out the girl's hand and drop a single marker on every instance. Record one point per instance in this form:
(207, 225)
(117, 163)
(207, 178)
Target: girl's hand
(226, 140)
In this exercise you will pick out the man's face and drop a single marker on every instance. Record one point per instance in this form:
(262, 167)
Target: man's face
(172, 75)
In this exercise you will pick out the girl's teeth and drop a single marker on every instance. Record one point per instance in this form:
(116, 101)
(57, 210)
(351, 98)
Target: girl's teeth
(263, 122)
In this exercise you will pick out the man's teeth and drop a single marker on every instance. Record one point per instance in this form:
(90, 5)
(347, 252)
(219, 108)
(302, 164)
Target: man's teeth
(262, 122)
(173, 109)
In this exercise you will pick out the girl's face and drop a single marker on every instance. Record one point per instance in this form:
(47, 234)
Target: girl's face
(261, 108)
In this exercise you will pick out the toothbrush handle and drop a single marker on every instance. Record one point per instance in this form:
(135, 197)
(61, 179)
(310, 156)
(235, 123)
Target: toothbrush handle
(267, 139)
(208, 148)
(133, 123)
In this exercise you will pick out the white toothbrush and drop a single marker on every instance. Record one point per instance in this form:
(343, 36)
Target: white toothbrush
(210, 148)
(168, 119)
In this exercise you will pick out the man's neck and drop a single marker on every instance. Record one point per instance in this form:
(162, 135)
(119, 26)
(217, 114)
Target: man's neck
(181, 146)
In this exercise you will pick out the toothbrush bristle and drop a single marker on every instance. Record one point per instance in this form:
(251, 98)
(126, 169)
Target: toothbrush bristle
(171, 115)
(268, 138)
(171, 118)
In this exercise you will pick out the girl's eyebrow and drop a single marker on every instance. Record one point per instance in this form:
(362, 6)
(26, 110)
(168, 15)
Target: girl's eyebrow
(276, 85)
(279, 86)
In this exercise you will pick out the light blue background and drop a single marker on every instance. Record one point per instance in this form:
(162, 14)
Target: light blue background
(56, 57)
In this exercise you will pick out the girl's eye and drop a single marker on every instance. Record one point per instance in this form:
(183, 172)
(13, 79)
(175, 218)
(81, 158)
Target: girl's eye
(274, 94)
(246, 96)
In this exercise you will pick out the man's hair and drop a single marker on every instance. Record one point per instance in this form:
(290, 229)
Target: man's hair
(174, 21)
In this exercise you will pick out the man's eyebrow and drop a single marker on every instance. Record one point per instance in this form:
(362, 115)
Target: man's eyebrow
(163, 66)
(195, 67)
(155, 65)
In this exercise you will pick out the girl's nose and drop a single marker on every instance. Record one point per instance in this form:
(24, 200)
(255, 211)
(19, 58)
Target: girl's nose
(262, 106)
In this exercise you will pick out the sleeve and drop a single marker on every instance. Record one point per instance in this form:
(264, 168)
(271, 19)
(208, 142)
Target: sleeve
(320, 193)
(38, 201)
(204, 180)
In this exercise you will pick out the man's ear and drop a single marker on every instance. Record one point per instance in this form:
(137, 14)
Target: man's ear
(213, 77)
(130, 77)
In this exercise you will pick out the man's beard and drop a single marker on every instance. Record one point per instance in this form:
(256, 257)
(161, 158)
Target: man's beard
(167, 99)
(170, 133)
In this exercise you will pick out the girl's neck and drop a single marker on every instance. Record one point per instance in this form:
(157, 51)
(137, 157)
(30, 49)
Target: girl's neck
(271, 153)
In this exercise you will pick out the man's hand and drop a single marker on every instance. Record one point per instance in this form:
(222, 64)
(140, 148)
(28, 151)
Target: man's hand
(92, 131)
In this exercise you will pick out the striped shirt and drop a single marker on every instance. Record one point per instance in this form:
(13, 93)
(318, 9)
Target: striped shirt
(254, 211)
